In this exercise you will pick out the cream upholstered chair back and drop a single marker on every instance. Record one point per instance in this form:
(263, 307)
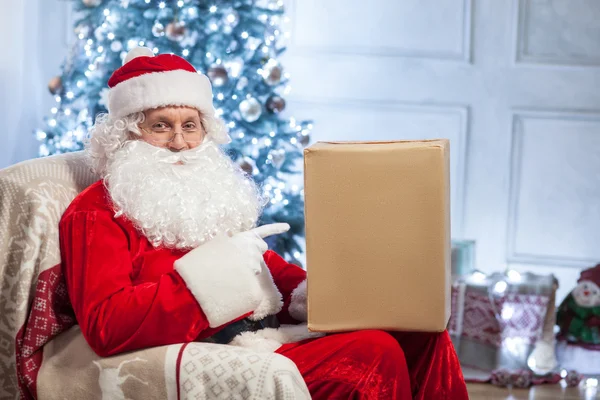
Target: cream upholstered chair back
(33, 196)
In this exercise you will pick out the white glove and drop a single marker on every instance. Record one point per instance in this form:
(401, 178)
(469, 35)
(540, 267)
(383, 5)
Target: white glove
(222, 274)
(257, 236)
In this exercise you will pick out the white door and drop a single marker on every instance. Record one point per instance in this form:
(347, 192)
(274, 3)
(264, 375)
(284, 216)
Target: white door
(515, 86)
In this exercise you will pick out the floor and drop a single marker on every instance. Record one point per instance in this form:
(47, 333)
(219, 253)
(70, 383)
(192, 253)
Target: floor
(481, 391)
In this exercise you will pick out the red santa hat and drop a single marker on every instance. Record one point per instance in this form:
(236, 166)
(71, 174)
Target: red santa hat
(591, 274)
(146, 81)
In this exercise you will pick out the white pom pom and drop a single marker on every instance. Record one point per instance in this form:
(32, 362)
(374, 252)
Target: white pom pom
(138, 52)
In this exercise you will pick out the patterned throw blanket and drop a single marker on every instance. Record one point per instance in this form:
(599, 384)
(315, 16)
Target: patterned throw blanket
(43, 354)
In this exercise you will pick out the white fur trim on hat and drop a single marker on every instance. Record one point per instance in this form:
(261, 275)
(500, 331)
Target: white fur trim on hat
(160, 89)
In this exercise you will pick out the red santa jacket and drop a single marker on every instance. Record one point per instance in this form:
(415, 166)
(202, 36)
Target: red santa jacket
(125, 293)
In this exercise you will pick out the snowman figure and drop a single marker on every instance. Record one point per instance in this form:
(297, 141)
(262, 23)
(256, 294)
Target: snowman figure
(578, 316)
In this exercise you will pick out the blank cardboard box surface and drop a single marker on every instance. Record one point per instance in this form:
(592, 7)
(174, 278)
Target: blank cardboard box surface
(378, 235)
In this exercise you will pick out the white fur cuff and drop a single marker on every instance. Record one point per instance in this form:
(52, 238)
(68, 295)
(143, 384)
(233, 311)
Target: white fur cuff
(272, 301)
(297, 308)
(269, 339)
(223, 291)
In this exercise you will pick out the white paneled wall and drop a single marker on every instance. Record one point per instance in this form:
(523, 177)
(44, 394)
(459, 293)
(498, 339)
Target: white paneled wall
(559, 32)
(514, 85)
(556, 175)
(33, 39)
(357, 28)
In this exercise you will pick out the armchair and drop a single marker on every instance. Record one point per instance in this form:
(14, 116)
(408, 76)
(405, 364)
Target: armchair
(42, 351)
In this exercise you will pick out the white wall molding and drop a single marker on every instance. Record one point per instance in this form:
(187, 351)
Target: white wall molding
(524, 56)
(516, 171)
(464, 55)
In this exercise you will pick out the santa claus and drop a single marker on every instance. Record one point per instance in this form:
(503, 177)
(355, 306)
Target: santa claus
(165, 249)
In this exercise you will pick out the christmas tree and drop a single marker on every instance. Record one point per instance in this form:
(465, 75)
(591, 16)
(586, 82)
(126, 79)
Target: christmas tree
(236, 43)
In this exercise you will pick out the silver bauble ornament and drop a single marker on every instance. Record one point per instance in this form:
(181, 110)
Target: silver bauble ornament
(175, 31)
(116, 46)
(304, 140)
(250, 109)
(217, 75)
(277, 157)
(158, 29)
(272, 73)
(91, 3)
(275, 104)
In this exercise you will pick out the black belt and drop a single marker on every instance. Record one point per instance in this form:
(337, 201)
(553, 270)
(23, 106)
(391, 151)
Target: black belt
(226, 335)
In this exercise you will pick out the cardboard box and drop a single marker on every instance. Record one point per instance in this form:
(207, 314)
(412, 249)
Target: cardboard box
(378, 235)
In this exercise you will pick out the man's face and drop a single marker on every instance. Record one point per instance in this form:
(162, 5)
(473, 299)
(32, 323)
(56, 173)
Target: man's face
(178, 188)
(174, 128)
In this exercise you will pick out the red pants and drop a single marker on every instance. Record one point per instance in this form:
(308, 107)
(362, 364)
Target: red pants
(377, 365)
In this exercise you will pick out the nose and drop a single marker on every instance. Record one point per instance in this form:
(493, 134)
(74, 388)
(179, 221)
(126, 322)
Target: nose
(177, 144)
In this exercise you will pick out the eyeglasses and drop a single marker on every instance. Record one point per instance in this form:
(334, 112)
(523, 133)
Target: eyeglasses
(162, 133)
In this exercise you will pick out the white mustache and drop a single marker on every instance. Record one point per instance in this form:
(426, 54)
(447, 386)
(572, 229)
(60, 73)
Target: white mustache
(165, 156)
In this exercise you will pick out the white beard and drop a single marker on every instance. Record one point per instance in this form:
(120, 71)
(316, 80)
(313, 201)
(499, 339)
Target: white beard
(181, 206)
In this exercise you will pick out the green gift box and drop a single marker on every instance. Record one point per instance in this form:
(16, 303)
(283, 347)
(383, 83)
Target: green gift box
(463, 257)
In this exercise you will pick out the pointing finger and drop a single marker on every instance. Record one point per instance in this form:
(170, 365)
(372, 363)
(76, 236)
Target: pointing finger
(271, 229)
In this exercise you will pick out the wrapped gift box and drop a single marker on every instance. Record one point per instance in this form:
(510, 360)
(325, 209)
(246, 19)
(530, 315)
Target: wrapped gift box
(463, 258)
(378, 235)
(504, 322)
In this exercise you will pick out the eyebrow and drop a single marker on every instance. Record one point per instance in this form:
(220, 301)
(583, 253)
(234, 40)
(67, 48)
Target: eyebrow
(163, 117)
